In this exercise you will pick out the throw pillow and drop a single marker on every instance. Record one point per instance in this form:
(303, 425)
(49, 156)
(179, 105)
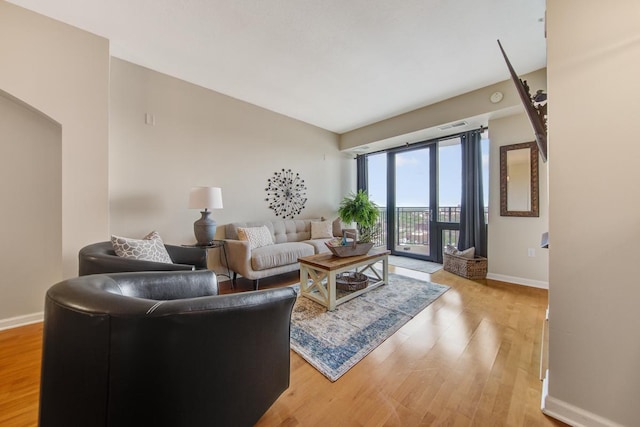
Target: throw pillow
(256, 236)
(150, 248)
(321, 230)
(450, 249)
(468, 253)
(337, 226)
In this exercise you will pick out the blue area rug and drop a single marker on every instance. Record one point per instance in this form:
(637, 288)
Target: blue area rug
(334, 341)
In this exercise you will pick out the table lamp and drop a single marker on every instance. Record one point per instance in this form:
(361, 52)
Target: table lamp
(205, 198)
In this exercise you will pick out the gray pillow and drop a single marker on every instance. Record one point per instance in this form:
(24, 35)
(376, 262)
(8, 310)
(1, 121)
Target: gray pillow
(337, 226)
(468, 253)
(450, 250)
(150, 248)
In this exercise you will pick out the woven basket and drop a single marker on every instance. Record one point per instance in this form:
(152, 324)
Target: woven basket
(470, 268)
(351, 281)
(351, 250)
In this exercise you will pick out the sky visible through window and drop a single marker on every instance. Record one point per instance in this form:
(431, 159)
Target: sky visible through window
(412, 176)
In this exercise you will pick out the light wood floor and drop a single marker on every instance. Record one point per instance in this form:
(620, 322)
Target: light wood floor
(469, 359)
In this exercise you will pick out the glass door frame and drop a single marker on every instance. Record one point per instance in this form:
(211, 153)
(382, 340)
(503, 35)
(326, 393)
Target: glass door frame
(436, 227)
(434, 238)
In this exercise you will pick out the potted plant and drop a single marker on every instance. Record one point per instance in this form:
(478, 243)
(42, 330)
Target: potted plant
(359, 209)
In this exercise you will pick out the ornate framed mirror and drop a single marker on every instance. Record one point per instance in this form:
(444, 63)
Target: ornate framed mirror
(519, 180)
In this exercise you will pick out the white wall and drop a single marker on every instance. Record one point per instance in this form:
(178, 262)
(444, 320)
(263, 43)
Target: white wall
(201, 137)
(594, 218)
(473, 105)
(62, 72)
(510, 237)
(31, 226)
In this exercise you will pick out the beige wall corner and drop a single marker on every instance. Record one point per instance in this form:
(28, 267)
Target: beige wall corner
(31, 215)
(510, 238)
(594, 206)
(64, 73)
(475, 104)
(61, 72)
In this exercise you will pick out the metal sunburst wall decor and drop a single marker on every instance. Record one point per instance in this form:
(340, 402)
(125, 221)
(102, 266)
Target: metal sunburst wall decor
(286, 193)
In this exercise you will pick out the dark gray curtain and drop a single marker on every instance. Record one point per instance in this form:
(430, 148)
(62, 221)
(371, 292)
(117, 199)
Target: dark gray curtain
(362, 172)
(473, 230)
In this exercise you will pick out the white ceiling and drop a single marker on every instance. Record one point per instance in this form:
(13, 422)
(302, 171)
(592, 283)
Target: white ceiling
(337, 64)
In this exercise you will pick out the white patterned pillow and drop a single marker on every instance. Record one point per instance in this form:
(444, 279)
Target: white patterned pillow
(256, 236)
(150, 248)
(321, 230)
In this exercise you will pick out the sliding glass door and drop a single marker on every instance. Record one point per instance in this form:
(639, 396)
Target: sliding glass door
(400, 182)
(419, 191)
(411, 201)
(449, 192)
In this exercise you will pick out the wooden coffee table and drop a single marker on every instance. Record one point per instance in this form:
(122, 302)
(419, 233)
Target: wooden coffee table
(318, 275)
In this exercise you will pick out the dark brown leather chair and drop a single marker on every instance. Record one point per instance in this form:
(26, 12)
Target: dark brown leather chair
(99, 258)
(161, 349)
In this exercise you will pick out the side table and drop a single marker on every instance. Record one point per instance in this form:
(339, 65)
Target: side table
(214, 244)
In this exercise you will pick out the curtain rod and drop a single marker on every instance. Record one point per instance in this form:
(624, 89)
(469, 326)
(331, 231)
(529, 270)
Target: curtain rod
(455, 135)
(408, 145)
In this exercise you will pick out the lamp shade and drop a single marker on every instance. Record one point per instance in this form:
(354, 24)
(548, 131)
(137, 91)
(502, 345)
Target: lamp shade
(205, 198)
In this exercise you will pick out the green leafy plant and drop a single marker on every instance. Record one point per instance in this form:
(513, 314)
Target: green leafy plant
(359, 209)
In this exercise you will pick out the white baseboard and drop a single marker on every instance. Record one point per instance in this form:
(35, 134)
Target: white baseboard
(570, 414)
(518, 280)
(14, 322)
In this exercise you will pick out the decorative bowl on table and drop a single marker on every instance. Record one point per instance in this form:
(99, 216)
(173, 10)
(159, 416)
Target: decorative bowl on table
(352, 249)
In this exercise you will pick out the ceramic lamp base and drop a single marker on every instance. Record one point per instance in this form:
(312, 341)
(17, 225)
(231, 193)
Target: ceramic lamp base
(204, 228)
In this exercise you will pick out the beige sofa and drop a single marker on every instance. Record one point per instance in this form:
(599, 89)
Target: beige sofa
(292, 239)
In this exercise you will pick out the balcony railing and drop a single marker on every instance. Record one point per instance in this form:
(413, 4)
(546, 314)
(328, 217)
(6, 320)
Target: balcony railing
(413, 225)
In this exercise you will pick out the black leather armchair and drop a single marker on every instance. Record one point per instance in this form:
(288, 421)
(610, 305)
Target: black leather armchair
(99, 258)
(161, 349)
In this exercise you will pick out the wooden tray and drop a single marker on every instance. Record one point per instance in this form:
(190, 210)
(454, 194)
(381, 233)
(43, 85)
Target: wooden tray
(351, 250)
